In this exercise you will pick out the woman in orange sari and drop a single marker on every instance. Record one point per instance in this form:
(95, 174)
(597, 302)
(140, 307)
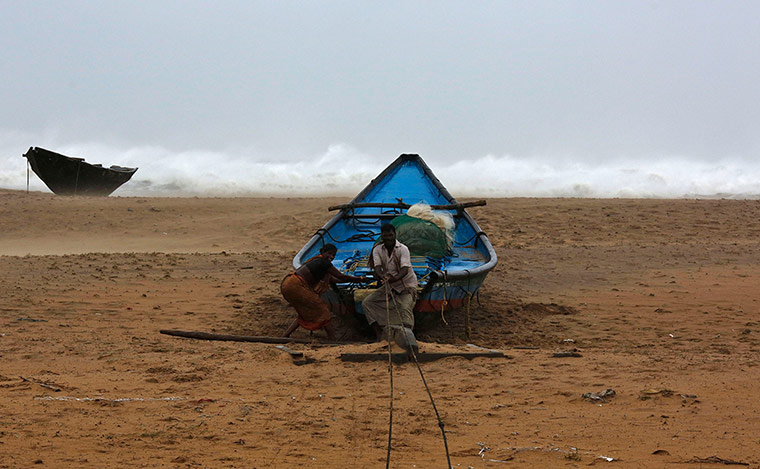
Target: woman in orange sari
(301, 289)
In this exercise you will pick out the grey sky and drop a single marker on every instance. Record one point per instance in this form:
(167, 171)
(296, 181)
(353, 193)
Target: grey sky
(591, 81)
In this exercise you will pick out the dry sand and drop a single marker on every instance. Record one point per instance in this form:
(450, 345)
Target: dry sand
(658, 297)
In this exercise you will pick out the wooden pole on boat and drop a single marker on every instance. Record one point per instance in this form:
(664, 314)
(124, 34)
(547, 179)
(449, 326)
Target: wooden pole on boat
(476, 203)
(27, 175)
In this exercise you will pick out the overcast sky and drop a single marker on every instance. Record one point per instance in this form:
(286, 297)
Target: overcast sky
(577, 80)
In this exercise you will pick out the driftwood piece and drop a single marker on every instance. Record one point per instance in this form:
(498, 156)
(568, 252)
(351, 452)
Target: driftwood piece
(40, 383)
(716, 460)
(476, 203)
(241, 338)
(421, 357)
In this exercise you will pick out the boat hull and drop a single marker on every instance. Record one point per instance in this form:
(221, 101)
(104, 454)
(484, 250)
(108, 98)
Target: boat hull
(445, 283)
(65, 175)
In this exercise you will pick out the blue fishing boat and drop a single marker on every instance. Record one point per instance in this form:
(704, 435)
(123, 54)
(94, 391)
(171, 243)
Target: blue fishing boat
(449, 274)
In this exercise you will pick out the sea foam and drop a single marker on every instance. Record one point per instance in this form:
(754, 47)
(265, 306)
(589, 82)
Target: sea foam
(343, 171)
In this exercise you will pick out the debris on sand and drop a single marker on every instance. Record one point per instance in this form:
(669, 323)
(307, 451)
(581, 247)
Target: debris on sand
(289, 351)
(567, 353)
(716, 460)
(599, 397)
(649, 393)
(104, 399)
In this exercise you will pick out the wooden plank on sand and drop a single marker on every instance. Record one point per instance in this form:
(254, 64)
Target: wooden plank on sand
(240, 338)
(421, 357)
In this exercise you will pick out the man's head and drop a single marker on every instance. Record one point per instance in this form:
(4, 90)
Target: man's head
(388, 235)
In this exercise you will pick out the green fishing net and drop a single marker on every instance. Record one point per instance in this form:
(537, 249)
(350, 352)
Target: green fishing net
(423, 238)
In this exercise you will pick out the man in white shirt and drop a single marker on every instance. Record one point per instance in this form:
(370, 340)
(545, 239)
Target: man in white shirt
(396, 297)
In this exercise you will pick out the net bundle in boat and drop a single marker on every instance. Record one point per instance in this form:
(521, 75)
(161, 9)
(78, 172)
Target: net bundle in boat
(425, 232)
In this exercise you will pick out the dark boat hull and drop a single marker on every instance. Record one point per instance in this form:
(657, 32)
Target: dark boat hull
(445, 283)
(66, 175)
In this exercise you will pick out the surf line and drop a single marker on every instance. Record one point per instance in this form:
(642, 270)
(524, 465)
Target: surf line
(410, 349)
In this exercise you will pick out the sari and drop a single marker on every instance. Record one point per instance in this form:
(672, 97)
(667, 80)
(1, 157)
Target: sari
(313, 312)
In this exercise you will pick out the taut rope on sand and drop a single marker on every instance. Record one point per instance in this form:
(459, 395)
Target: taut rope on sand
(390, 371)
(410, 349)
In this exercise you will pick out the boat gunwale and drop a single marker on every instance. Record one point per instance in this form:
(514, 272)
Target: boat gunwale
(75, 159)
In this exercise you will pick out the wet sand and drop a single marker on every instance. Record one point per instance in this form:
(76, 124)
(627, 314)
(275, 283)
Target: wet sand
(658, 300)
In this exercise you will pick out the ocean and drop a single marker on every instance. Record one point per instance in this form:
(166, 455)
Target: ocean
(344, 171)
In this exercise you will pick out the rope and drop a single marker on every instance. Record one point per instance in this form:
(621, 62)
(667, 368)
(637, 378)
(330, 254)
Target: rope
(445, 302)
(443, 307)
(363, 236)
(419, 368)
(435, 409)
(390, 370)
(476, 235)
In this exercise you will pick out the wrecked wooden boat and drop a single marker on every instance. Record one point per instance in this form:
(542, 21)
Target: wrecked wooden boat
(66, 175)
(448, 278)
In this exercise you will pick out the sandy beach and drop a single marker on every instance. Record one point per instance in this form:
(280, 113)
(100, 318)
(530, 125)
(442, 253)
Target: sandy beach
(656, 300)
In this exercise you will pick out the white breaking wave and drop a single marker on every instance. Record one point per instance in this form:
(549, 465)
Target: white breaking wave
(344, 171)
